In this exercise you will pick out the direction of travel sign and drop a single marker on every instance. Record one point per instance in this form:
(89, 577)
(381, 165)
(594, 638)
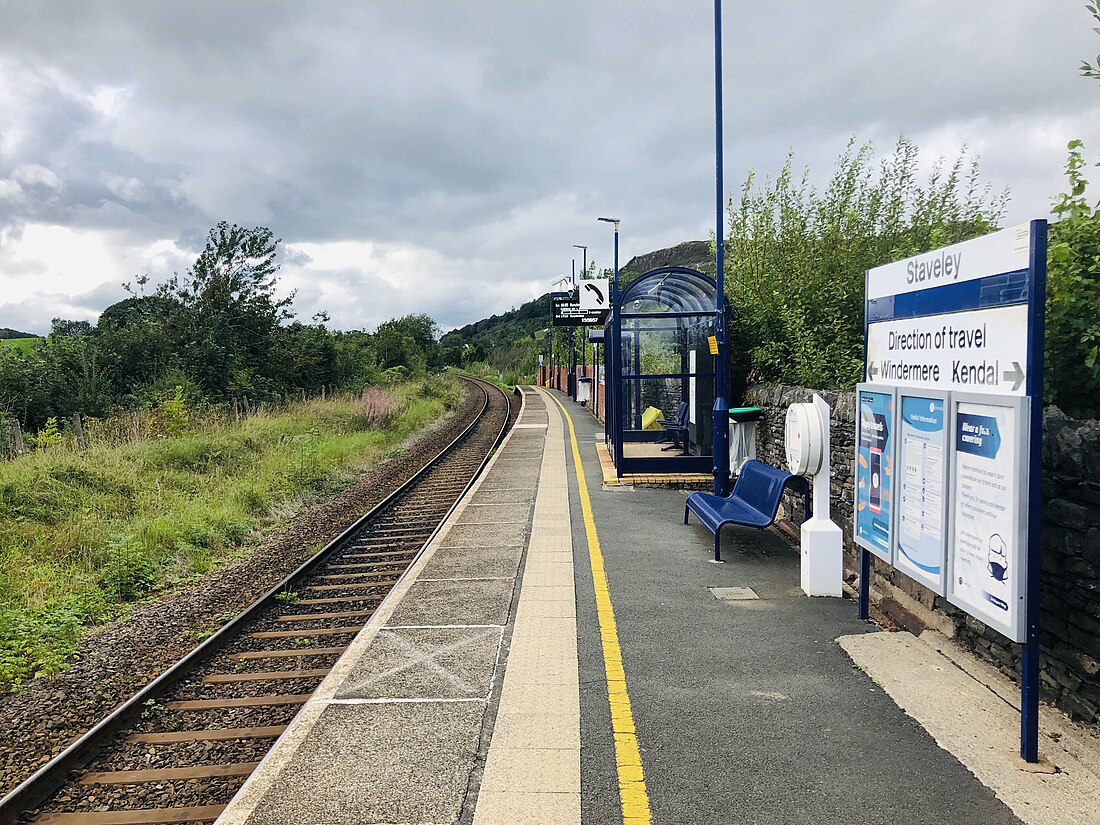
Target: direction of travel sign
(949, 436)
(953, 319)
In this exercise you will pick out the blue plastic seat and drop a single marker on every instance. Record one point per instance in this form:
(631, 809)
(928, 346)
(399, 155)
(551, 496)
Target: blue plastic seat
(754, 501)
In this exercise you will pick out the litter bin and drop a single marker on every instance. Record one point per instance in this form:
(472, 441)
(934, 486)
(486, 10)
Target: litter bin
(584, 390)
(743, 435)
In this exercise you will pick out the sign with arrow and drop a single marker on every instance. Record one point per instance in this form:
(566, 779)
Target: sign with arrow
(979, 351)
(957, 335)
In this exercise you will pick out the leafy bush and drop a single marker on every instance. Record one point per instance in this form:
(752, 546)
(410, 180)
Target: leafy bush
(797, 257)
(127, 573)
(1073, 298)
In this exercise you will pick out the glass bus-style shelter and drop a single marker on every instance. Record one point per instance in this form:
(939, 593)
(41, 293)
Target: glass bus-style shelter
(658, 356)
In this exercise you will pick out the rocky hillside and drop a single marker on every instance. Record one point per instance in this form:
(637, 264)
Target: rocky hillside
(693, 254)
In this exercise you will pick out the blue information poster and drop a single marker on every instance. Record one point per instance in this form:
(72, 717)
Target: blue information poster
(874, 471)
(922, 503)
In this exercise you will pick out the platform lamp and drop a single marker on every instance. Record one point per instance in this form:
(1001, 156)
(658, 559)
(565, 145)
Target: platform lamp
(720, 413)
(608, 413)
(584, 329)
(615, 222)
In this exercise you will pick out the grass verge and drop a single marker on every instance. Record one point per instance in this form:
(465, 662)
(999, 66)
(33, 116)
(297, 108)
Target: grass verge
(82, 536)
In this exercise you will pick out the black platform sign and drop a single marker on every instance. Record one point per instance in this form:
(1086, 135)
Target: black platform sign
(565, 311)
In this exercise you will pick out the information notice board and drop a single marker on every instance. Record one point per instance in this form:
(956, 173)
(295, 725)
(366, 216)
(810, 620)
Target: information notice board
(942, 433)
(874, 504)
(955, 337)
(989, 527)
(923, 456)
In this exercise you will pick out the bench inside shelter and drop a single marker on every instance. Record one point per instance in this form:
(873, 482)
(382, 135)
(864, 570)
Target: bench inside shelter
(754, 501)
(677, 428)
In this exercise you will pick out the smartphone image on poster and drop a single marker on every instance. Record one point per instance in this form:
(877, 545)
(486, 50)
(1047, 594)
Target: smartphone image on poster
(874, 503)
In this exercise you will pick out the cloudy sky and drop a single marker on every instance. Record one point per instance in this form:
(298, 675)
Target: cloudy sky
(442, 157)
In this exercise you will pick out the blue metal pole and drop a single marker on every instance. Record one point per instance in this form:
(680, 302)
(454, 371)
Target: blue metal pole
(1029, 668)
(616, 290)
(720, 413)
(864, 609)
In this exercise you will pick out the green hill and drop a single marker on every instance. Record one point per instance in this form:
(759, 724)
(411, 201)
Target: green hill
(6, 334)
(506, 342)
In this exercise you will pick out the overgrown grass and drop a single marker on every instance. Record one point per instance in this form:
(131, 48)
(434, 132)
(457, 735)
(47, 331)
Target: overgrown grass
(84, 535)
(24, 345)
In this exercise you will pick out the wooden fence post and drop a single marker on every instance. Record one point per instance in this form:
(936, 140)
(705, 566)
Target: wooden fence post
(78, 428)
(17, 431)
(322, 392)
(247, 409)
(135, 427)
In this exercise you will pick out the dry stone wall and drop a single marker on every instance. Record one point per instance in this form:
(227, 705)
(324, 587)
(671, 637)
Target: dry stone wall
(1070, 586)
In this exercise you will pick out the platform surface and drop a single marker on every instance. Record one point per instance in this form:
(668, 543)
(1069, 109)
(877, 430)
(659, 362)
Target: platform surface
(566, 655)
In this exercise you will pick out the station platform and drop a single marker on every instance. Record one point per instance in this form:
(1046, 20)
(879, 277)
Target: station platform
(564, 652)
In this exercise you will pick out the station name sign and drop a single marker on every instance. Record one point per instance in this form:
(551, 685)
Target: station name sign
(953, 319)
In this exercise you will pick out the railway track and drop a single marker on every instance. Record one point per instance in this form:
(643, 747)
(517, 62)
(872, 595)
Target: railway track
(178, 750)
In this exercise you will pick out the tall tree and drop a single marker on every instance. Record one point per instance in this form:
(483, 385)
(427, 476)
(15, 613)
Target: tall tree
(229, 312)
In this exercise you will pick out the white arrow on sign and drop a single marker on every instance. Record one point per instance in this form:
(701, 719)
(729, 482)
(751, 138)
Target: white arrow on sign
(595, 293)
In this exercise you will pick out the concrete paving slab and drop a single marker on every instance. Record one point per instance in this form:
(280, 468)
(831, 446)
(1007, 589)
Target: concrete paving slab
(516, 808)
(487, 535)
(426, 663)
(472, 562)
(535, 770)
(477, 513)
(361, 767)
(466, 602)
(500, 496)
(538, 730)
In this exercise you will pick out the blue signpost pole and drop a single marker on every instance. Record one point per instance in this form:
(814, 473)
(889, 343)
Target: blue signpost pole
(720, 413)
(612, 379)
(1029, 669)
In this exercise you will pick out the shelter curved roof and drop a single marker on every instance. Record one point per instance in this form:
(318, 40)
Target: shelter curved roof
(668, 289)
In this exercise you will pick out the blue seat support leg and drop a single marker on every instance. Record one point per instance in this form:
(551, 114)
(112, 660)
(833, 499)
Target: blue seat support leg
(718, 544)
(685, 514)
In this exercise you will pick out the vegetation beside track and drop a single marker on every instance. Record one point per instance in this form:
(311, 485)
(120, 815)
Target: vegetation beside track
(84, 534)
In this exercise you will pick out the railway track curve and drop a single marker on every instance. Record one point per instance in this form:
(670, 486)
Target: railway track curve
(178, 749)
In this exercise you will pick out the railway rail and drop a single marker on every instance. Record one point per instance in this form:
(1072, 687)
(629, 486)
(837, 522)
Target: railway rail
(180, 748)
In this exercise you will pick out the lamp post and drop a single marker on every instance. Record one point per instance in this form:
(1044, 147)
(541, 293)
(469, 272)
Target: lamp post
(614, 390)
(720, 413)
(615, 222)
(555, 286)
(584, 329)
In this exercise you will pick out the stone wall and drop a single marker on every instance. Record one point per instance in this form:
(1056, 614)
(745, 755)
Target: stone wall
(1070, 586)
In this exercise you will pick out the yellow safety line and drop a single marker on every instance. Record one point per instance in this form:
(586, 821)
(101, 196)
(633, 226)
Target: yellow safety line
(628, 758)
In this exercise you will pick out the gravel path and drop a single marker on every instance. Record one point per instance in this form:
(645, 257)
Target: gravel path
(113, 664)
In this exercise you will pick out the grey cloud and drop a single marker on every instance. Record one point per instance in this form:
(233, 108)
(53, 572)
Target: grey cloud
(492, 134)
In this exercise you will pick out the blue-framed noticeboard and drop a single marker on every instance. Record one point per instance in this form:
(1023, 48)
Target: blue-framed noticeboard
(876, 418)
(988, 527)
(921, 488)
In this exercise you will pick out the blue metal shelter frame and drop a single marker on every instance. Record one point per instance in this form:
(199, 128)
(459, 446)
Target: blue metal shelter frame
(655, 322)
